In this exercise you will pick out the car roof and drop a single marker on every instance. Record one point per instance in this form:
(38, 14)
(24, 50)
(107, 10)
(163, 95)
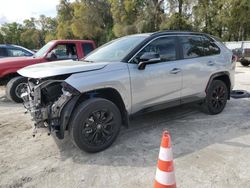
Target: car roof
(175, 32)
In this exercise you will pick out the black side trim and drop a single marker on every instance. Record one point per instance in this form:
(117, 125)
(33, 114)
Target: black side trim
(190, 99)
(65, 116)
(217, 75)
(179, 102)
(157, 107)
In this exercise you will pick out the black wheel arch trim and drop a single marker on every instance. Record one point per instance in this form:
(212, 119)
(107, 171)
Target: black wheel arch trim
(66, 115)
(68, 109)
(216, 75)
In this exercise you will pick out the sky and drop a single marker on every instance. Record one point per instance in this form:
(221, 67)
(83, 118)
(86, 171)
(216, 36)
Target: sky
(19, 10)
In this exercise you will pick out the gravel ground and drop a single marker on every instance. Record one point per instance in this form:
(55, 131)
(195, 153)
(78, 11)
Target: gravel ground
(209, 151)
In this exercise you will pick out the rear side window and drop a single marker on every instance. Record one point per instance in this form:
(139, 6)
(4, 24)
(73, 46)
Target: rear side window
(210, 48)
(192, 46)
(3, 52)
(87, 48)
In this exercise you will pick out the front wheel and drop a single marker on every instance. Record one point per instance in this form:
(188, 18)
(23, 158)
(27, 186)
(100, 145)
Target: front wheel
(95, 125)
(15, 87)
(216, 99)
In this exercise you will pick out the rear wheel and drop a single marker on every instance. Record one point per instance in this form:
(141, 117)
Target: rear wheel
(15, 87)
(95, 125)
(216, 99)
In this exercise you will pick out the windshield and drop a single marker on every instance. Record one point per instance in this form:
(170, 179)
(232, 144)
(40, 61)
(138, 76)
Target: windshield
(115, 50)
(44, 49)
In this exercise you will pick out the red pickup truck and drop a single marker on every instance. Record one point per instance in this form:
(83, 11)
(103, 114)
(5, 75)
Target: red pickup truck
(53, 51)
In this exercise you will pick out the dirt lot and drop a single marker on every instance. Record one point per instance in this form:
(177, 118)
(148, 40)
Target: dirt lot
(209, 151)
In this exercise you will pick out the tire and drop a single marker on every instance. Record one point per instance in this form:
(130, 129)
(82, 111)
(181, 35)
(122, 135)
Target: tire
(216, 99)
(238, 94)
(15, 87)
(244, 63)
(88, 129)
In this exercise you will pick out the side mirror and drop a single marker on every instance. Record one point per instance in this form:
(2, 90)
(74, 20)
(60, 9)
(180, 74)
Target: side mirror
(148, 58)
(51, 56)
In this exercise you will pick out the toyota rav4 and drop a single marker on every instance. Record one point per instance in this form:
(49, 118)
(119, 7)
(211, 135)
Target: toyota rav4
(127, 76)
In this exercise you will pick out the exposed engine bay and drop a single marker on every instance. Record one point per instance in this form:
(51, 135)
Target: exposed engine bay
(45, 99)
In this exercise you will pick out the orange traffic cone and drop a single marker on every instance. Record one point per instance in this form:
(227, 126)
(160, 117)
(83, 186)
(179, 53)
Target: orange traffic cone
(165, 177)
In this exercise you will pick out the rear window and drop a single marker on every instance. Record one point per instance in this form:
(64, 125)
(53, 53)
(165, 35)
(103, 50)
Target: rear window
(210, 48)
(87, 48)
(198, 46)
(192, 46)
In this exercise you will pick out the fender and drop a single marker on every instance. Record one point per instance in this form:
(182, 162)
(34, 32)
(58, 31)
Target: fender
(68, 109)
(65, 115)
(218, 74)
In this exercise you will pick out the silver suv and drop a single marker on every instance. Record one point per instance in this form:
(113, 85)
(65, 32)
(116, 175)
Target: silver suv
(93, 97)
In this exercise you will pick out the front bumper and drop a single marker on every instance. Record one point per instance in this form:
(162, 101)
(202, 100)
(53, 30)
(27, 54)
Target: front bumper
(45, 114)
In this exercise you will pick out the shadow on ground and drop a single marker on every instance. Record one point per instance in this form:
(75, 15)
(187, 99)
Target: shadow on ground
(191, 131)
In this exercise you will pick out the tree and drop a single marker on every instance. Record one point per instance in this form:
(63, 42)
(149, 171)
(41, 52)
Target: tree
(92, 20)
(238, 22)
(151, 16)
(29, 23)
(178, 15)
(30, 38)
(12, 32)
(125, 14)
(47, 27)
(65, 14)
(103, 20)
(1, 38)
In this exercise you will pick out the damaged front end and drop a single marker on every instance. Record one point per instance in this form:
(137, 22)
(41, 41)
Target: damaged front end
(50, 102)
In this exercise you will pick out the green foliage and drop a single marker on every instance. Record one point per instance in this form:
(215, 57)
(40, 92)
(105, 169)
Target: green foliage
(104, 20)
(91, 20)
(31, 34)
(176, 22)
(31, 38)
(12, 32)
(1, 38)
(65, 14)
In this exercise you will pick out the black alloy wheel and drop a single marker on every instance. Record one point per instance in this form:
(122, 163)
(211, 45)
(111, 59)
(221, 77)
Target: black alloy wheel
(98, 128)
(95, 124)
(216, 99)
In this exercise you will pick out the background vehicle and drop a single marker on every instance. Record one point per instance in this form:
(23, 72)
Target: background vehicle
(245, 56)
(52, 51)
(130, 75)
(8, 50)
(242, 50)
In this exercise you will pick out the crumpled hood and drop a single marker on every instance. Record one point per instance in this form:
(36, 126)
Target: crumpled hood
(55, 68)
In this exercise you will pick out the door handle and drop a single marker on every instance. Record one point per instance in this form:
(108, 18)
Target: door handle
(210, 63)
(175, 71)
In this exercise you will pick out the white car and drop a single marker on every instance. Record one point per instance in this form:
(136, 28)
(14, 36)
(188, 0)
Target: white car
(130, 75)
